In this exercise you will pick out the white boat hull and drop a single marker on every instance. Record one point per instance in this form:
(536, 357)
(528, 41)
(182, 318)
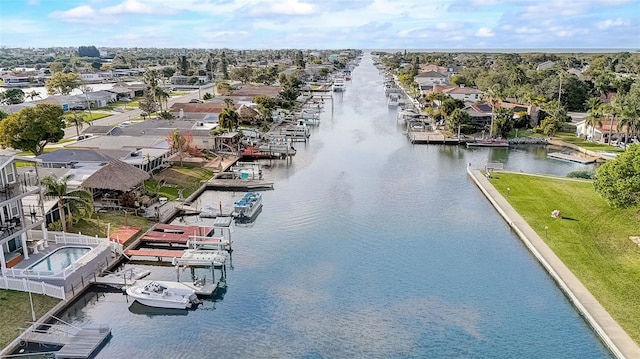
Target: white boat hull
(162, 295)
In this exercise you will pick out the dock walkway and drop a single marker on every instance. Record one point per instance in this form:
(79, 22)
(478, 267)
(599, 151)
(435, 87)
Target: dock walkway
(238, 185)
(583, 159)
(76, 342)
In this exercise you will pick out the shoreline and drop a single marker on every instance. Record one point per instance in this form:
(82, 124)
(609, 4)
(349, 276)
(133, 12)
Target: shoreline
(606, 328)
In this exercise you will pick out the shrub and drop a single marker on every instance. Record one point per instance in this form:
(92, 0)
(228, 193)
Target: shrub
(581, 174)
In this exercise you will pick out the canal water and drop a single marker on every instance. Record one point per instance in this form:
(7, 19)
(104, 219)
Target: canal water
(369, 247)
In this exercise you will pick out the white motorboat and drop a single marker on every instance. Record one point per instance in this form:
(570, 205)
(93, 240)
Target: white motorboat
(338, 85)
(394, 100)
(163, 295)
(248, 206)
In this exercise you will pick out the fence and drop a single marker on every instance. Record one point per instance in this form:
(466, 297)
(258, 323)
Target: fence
(25, 285)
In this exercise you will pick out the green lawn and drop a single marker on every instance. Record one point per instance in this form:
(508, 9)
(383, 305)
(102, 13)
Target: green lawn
(175, 178)
(16, 312)
(178, 93)
(587, 145)
(97, 226)
(592, 239)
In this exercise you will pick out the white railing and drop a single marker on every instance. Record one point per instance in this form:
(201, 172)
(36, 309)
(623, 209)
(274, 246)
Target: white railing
(79, 238)
(25, 285)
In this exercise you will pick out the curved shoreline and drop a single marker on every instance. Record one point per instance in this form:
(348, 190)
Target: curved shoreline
(608, 330)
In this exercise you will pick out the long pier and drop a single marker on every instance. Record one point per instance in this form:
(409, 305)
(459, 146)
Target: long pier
(235, 184)
(572, 158)
(417, 137)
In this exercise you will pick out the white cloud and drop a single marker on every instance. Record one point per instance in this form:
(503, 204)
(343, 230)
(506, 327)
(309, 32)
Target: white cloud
(110, 14)
(485, 32)
(603, 25)
(133, 7)
(283, 7)
(527, 30)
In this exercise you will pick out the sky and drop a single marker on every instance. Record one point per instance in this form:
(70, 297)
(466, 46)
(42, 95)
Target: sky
(323, 24)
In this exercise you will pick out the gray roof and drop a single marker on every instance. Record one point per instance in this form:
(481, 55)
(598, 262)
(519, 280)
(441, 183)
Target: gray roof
(430, 74)
(68, 155)
(9, 109)
(121, 142)
(159, 128)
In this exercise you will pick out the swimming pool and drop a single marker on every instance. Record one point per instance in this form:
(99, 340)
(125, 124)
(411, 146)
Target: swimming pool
(59, 259)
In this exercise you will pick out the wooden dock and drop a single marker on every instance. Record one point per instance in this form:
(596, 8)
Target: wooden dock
(75, 342)
(154, 253)
(585, 160)
(238, 185)
(418, 137)
(84, 343)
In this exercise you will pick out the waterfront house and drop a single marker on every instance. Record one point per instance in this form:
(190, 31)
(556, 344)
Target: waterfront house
(463, 93)
(601, 130)
(196, 111)
(430, 78)
(21, 208)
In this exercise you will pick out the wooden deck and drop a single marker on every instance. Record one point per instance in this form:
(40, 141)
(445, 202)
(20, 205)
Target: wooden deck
(153, 253)
(238, 185)
(79, 343)
(433, 138)
(173, 234)
(572, 158)
(84, 343)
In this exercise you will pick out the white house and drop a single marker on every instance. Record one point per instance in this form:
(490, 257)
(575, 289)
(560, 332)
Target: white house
(20, 209)
(430, 78)
(464, 93)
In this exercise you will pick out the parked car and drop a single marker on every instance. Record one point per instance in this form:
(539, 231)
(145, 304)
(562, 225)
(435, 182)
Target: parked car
(195, 100)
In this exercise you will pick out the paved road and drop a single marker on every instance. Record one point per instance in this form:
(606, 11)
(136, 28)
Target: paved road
(115, 119)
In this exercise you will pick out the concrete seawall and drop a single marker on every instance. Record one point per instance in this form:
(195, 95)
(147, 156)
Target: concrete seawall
(612, 335)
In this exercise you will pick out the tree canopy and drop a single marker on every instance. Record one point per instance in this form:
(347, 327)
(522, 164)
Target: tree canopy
(618, 181)
(32, 128)
(12, 96)
(62, 83)
(88, 51)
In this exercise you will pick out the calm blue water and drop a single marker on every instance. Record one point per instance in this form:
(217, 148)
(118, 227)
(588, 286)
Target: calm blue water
(368, 247)
(59, 259)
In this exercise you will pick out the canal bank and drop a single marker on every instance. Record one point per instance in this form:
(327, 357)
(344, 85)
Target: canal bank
(609, 331)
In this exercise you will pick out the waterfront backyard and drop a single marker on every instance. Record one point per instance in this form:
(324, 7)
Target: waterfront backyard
(591, 238)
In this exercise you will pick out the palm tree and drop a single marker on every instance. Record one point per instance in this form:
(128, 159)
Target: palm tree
(33, 94)
(77, 201)
(162, 96)
(494, 96)
(594, 110)
(77, 120)
(229, 118)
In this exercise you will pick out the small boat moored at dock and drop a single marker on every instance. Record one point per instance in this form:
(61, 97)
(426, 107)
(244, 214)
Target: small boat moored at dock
(393, 100)
(163, 295)
(248, 206)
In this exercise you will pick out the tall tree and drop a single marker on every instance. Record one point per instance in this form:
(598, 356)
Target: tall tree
(494, 97)
(618, 181)
(33, 95)
(224, 66)
(62, 83)
(76, 119)
(32, 128)
(77, 202)
(229, 118)
(12, 96)
(183, 65)
(594, 115)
